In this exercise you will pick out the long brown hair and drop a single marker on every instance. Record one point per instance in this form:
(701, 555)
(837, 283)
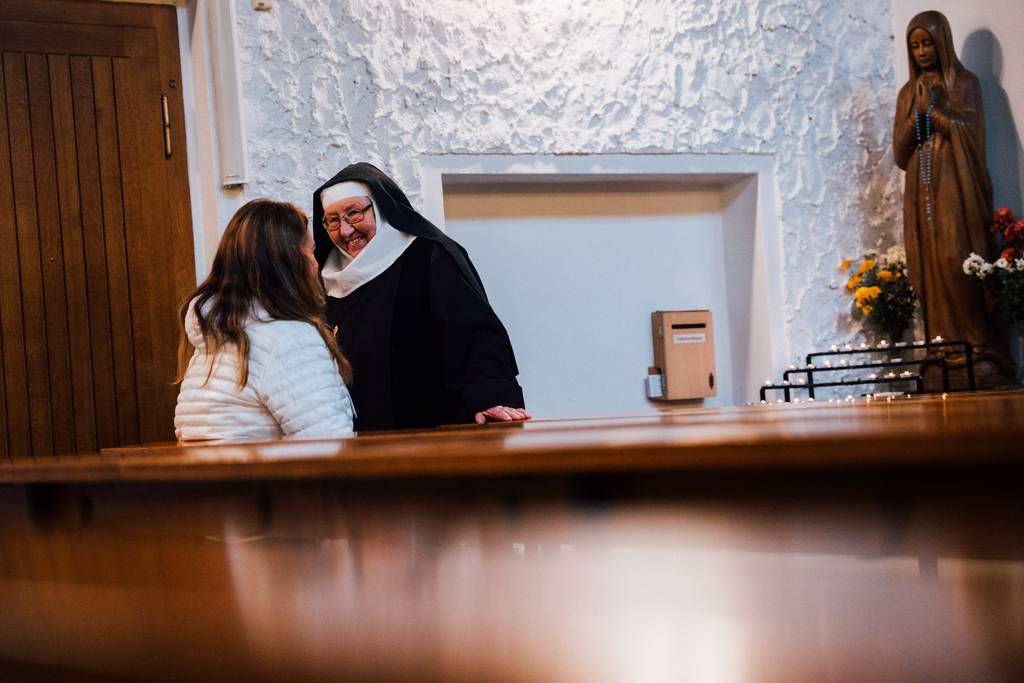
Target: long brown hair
(259, 260)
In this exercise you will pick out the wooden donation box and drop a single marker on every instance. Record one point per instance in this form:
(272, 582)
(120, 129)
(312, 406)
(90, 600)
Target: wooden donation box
(684, 352)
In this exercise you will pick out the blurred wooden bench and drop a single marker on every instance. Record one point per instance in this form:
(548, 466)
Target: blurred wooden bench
(872, 541)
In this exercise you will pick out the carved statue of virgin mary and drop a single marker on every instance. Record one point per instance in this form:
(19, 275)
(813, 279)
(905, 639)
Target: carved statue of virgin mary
(939, 140)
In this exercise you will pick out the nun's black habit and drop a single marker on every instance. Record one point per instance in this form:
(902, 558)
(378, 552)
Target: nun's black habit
(425, 346)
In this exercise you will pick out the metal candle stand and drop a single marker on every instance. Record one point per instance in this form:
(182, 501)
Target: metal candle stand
(787, 386)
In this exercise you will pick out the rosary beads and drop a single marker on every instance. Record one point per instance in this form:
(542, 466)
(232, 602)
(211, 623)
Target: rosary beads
(924, 155)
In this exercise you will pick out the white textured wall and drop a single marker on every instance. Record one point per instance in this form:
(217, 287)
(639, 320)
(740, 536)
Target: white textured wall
(810, 82)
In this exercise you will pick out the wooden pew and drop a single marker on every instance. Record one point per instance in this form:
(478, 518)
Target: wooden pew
(867, 541)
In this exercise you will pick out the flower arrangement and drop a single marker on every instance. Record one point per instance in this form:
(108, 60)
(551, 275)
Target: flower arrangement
(1005, 276)
(882, 296)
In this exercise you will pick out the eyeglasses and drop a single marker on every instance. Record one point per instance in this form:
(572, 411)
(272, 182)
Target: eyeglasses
(333, 220)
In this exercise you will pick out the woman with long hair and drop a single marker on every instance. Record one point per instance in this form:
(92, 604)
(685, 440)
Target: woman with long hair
(265, 366)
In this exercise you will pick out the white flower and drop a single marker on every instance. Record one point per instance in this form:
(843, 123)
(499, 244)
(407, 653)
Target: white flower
(1002, 263)
(984, 270)
(895, 254)
(973, 264)
(1019, 263)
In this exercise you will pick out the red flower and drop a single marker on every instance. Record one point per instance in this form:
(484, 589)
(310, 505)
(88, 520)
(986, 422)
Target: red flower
(1002, 221)
(1013, 233)
(1006, 226)
(1009, 253)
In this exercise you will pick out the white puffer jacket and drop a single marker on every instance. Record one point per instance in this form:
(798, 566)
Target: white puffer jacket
(294, 389)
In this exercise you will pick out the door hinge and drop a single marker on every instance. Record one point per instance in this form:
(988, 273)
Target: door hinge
(167, 126)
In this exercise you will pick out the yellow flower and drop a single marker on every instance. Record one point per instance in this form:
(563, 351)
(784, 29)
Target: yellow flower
(845, 265)
(885, 276)
(866, 265)
(853, 283)
(866, 296)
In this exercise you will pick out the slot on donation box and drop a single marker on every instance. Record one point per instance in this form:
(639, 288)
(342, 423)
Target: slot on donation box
(684, 351)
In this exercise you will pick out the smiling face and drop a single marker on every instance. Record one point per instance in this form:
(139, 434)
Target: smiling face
(922, 47)
(350, 223)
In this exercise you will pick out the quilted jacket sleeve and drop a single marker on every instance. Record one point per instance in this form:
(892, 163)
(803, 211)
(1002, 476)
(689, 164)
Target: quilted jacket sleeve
(300, 385)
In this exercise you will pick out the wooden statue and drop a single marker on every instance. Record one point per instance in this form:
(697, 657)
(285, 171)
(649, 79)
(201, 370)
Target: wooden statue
(939, 140)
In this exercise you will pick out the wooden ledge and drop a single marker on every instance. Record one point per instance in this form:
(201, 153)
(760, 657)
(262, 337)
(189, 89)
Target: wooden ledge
(960, 430)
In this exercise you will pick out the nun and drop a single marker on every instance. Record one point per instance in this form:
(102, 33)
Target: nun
(409, 311)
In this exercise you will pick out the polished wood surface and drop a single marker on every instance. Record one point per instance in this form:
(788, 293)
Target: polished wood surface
(95, 226)
(960, 429)
(842, 542)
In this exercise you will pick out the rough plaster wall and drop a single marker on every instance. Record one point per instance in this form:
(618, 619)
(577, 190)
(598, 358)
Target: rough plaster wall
(810, 81)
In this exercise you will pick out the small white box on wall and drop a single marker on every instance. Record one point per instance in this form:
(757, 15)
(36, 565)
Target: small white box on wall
(684, 352)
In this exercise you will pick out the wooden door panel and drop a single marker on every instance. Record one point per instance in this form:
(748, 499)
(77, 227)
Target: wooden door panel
(97, 249)
(140, 131)
(83, 12)
(3, 405)
(122, 346)
(28, 247)
(59, 38)
(17, 436)
(50, 254)
(69, 207)
(97, 290)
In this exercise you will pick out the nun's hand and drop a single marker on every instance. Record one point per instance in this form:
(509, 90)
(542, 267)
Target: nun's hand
(501, 414)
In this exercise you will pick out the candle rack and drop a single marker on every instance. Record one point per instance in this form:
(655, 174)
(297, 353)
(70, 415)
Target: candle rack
(787, 389)
(936, 343)
(810, 384)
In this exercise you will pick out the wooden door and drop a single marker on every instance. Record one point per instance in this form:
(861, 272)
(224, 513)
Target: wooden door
(95, 229)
